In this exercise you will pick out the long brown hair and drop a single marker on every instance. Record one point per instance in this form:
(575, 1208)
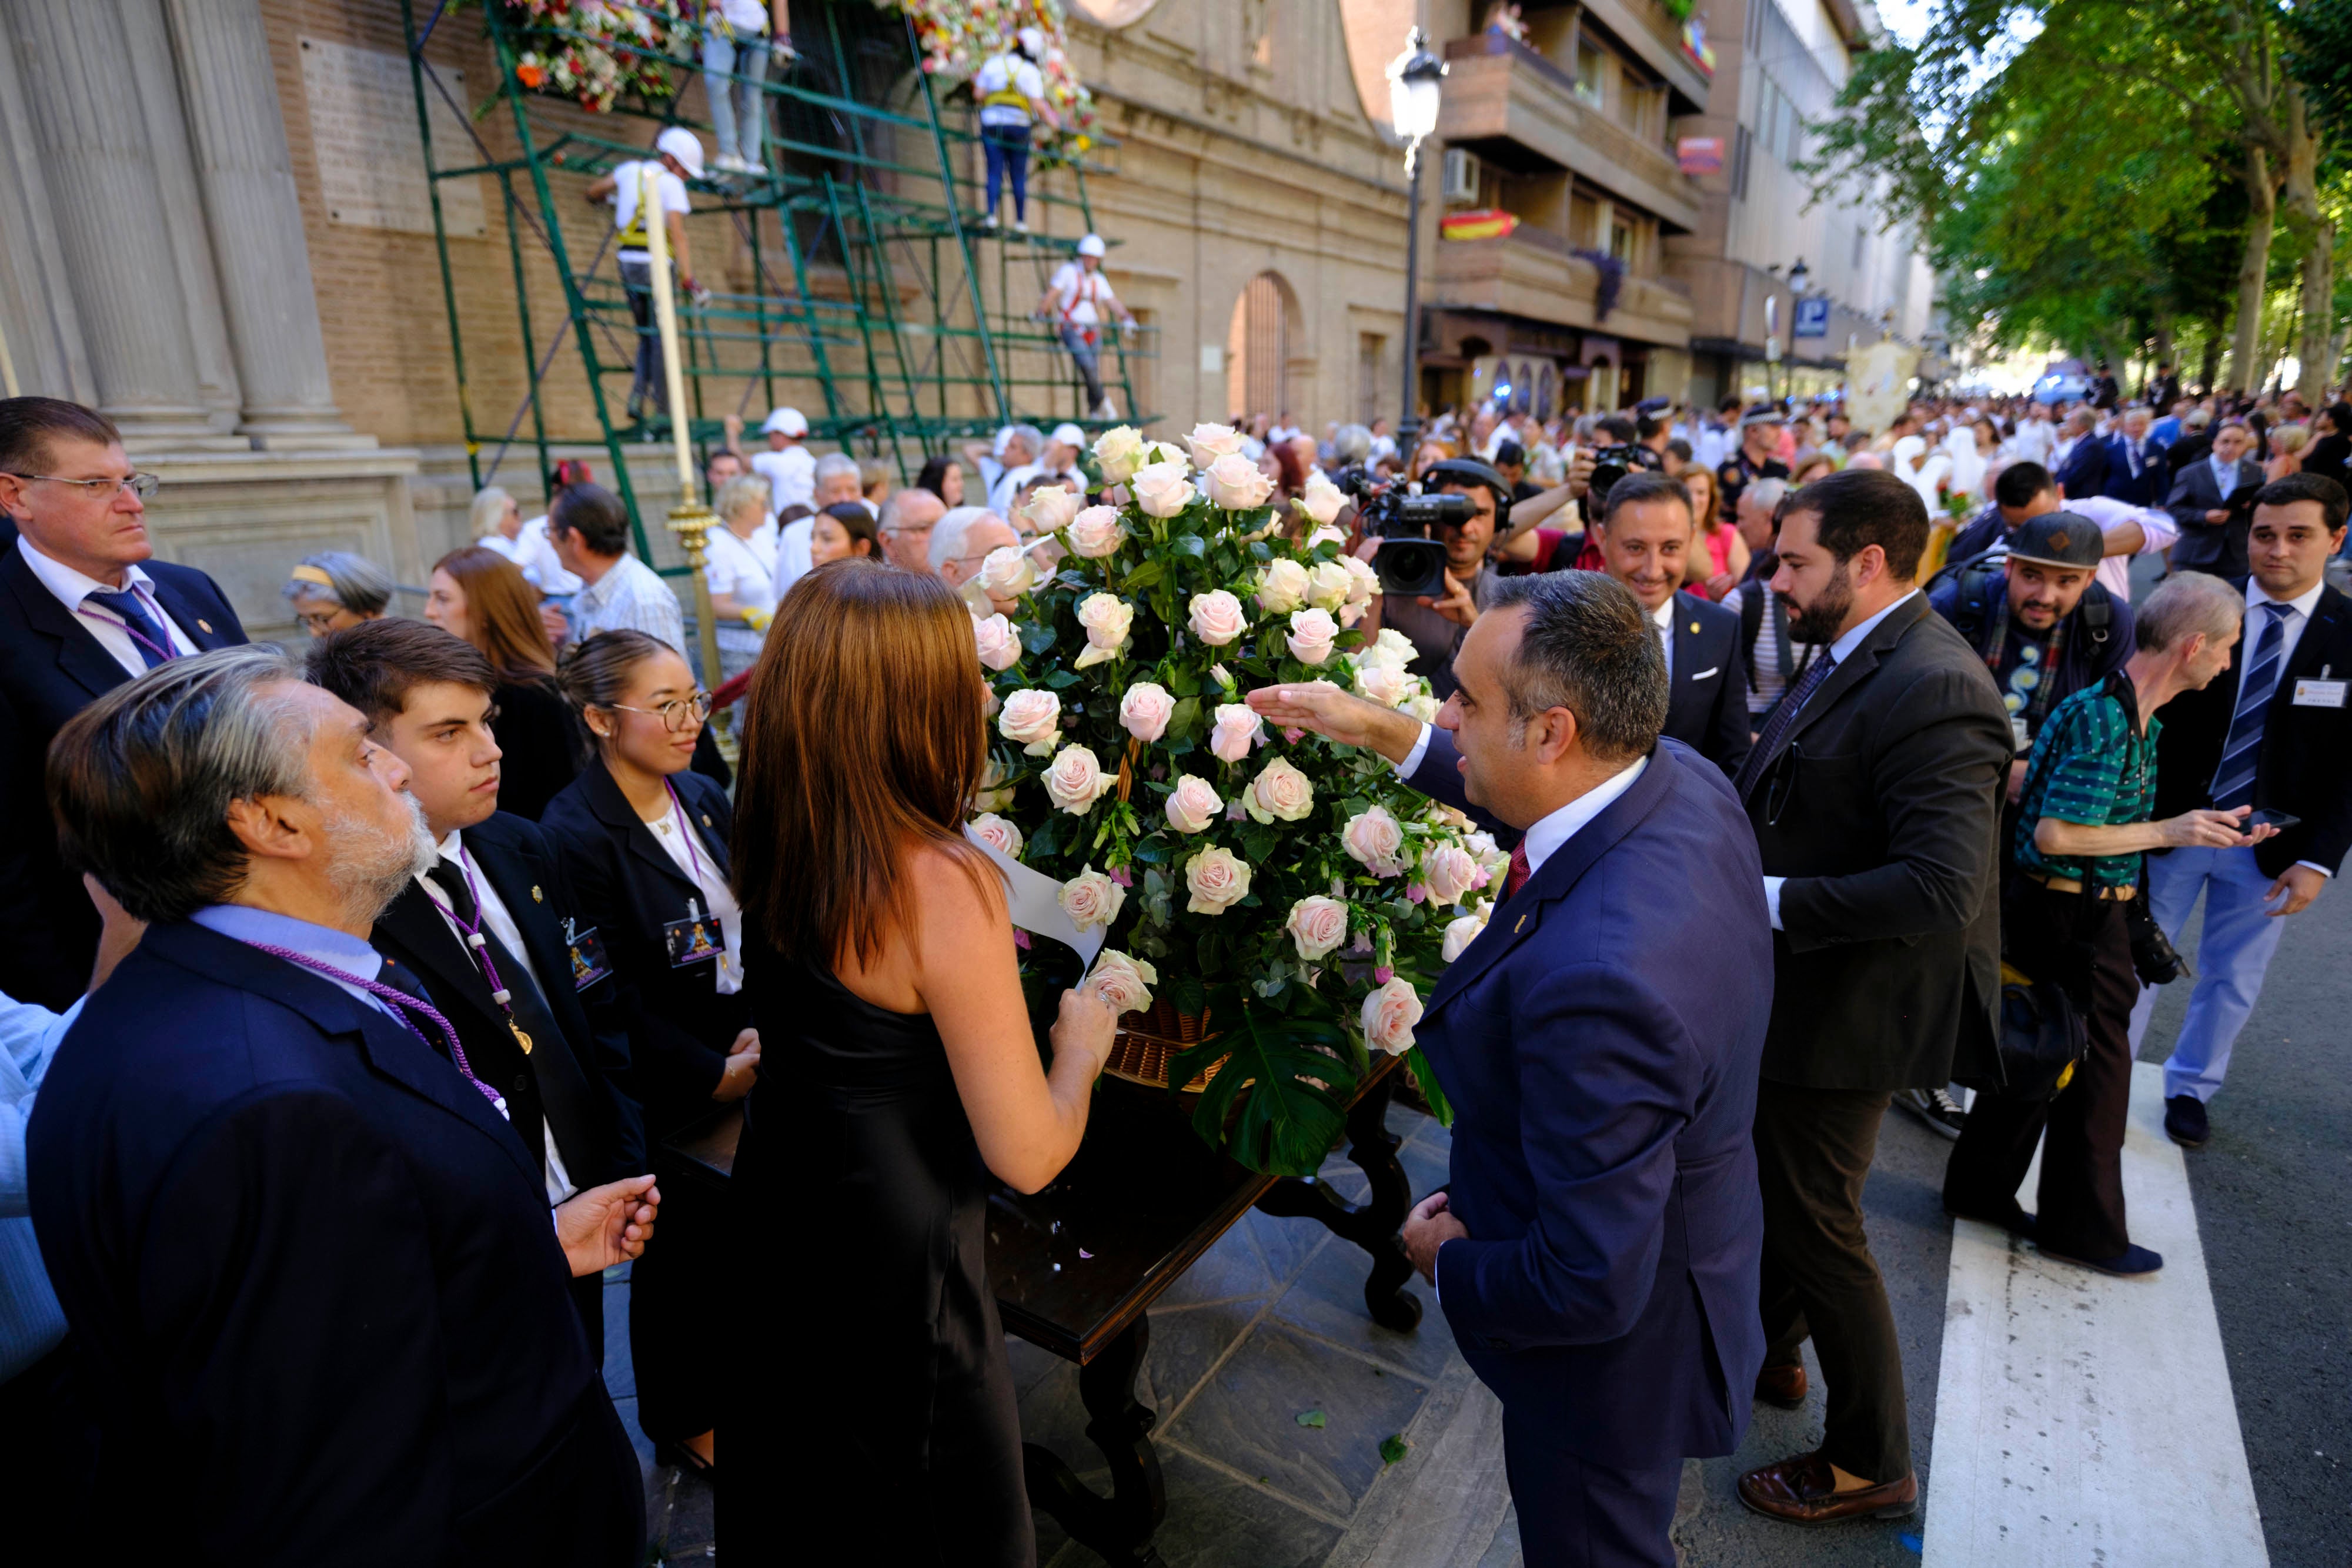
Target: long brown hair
(863, 740)
(502, 612)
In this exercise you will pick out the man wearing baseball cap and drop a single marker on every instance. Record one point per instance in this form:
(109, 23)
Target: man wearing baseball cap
(787, 466)
(1759, 438)
(677, 158)
(1074, 303)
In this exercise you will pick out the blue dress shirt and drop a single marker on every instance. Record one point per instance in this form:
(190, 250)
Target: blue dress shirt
(31, 1321)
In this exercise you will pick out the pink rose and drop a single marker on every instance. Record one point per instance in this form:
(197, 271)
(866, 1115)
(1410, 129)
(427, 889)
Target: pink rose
(1373, 839)
(1384, 683)
(1329, 585)
(1321, 500)
(1235, 483)
(1236, 728)
(1194, 805)
(1007, 573)
(1091, 898)
(1462, 929)
(1075, 781)
(1032, 719)
(1123, 983)
(1211, 442)
(1450, 871)
(1281, 587)
(1280, 790)
(1118, 451)
(1000, 648)
(997, 833)
(1217, 879)
(1096, 532)
(1106, 618)
(1217, 617)
(1161, 489)
(1051, 507)
(1316, 925)
(1145, 710)
(1311, 634)
(1389, 1016)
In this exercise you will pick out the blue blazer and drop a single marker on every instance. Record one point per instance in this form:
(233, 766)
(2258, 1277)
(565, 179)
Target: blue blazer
(2155, 481)
(314, 1285)
(1601, 1041)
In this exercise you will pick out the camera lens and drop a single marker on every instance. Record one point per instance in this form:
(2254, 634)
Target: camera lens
(1415, 568)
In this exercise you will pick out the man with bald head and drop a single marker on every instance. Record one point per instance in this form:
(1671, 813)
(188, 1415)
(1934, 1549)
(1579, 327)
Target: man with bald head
(907, 520)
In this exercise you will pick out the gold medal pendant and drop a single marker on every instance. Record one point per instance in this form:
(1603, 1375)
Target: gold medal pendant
(521, 1039)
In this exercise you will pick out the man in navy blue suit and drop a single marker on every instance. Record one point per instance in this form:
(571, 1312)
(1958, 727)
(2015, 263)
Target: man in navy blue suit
(1597, 1250)
(2137, 473)
(83, 608)
(309, 1267)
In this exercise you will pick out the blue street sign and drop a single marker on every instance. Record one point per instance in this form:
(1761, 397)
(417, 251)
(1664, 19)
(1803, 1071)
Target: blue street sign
(1812, 317)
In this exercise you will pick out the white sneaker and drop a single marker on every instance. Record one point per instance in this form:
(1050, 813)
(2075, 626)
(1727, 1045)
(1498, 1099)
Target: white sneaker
(728, 164)
(1105, 410)
(989, 223)
(1019, 227)
(751, 168)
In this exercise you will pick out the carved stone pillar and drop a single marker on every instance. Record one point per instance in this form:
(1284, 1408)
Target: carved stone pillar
(237, 135)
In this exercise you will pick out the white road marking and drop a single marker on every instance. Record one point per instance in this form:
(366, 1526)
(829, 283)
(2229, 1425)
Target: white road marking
(2087, 1420)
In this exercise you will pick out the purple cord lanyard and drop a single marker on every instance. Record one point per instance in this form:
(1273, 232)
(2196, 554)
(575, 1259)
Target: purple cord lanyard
(687, 828)
(166, 654)
(480, 948)
(399, 1001)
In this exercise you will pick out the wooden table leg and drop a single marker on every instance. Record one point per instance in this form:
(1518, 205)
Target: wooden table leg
(1372, 1224)
(1119, 1526)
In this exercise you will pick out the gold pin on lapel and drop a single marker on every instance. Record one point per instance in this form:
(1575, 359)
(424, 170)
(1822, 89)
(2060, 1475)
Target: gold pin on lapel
(1515, 930)
(537, 896)
(1694, 628)
(706, 819)
(203, 625)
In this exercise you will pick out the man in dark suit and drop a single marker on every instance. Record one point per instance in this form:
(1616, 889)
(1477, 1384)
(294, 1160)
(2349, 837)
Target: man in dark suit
(2137, 472)
(2212, 540)
(484, 928)
(2082, 455)
(82, 610)
(1645, 537)
(1876, 795)
(308, 1265)
(2274, 732)
(1596, 1249)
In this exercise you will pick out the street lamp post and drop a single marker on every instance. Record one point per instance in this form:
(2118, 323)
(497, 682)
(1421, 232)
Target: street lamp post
(1414, 78)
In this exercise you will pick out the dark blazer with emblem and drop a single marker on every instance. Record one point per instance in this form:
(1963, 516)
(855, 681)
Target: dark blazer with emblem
(624, 884)
(571, 1081)
(2217, 548)
(312, 1285)
(2304, 766)
(1603, 1090)
(1881, 805)
(2146, 488)
(51, 667)
(1706, 701)
(2084, 472)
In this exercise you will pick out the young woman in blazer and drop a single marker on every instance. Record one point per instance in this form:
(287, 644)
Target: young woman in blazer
(644, 843)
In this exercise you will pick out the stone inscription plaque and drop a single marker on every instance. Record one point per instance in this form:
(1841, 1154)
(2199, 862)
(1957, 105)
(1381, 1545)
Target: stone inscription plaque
(371, 157)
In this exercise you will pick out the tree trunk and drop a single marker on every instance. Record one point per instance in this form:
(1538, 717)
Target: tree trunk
(2209, 365)
(2165, 350)
(2261, 198)
(2319, 232)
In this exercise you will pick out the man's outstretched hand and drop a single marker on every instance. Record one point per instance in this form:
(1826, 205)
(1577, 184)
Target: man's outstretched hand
(606, 1225)
(1324, 708)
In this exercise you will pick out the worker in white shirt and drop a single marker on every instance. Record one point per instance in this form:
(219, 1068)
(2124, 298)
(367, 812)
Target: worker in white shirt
(677, 158)
(787, 466)
(1075, 302)
(1012, 93)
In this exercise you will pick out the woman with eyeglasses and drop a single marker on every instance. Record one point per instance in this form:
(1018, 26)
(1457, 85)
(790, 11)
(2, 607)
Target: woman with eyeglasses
(644, 840)
(336, 588)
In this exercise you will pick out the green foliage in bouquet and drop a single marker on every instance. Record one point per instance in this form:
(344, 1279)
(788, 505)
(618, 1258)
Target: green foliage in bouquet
(1293, 893)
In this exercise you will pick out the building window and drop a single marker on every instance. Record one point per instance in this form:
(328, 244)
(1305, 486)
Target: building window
(1741, 144)
(1589, 64)
(1257, 348)
(1621, 239)
(1372, 360)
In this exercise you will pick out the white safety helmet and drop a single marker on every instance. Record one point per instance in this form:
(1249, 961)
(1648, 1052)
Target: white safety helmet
(1033, 42)
(788, 422)
(1069, 436)
(1091, 245)
(683, 145)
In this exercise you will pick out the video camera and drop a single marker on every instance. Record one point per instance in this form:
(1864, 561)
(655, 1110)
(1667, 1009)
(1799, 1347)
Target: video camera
(1610, 464)
(1411, 559)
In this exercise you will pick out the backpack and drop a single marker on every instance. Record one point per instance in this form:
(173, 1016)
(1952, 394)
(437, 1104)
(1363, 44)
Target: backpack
(1977, 577)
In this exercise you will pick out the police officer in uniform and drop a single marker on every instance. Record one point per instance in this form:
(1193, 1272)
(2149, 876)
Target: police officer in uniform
(1760, 430)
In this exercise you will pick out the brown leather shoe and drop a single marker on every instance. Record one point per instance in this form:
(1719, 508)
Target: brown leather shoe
(1803, 1491)
(1783, 1386)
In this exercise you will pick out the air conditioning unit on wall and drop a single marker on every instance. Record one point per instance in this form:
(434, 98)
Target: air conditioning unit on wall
(1460, 177)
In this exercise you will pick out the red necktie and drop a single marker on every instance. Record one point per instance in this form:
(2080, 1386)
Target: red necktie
(1518, 876)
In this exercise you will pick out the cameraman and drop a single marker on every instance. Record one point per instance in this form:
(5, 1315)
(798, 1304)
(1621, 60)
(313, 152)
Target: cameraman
(2075, 873)
(1436, 626)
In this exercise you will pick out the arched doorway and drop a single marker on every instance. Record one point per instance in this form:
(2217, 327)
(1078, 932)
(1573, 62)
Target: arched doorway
(1257, 348)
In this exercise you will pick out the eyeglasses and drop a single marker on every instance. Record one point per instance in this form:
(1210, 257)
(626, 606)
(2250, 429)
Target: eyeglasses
(673, 713)
(143, 486)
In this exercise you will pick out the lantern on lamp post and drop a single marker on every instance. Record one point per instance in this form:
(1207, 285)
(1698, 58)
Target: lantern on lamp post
(1414, 90)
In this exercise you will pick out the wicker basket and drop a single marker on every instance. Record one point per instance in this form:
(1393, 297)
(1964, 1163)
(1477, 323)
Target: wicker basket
(1146, 1044)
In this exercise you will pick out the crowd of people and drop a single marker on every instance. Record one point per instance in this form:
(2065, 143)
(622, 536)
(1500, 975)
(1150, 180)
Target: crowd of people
(356, 985)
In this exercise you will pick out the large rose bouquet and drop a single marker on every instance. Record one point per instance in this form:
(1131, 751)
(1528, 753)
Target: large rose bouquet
(956, 37)
(1291, 891)
(592, 51)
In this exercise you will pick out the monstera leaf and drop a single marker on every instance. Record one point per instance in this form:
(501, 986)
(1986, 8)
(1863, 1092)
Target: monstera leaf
(1279, 1102)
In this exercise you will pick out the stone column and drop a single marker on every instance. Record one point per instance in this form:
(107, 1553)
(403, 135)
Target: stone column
(93, 143)
(255, 217)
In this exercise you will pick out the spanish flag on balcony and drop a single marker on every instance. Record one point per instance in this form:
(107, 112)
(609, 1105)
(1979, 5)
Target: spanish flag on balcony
(1491, 223)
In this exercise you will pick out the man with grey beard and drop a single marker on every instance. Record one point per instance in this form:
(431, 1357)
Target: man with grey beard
(309, 1267)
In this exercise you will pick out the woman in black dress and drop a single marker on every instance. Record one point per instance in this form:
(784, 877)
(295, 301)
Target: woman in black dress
(900, 1075)
(481, 596)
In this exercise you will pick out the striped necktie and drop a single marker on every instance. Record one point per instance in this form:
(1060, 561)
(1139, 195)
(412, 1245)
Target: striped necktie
(1791, 701)
(2234, 780)
(152, 643)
